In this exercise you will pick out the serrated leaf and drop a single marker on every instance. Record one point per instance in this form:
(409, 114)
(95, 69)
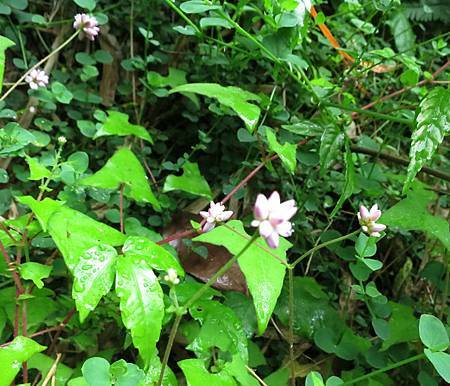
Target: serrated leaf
(73, 232)
(156, 256)
(432, 125)
(37, 171)
(330, 145)
(93, 278)
(191, 182)
(441, 362)
(11, 357)
(35, 272)
(412, 214)
(117, 124)
(141, 303)
(287, 152)
(197, 375)
(124, 168)
(432, 333)
(4, 44)
(263, 272)
(233, 97)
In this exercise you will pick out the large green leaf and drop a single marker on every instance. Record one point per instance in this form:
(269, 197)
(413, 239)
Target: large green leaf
(43, 363)
(412, 213)
(156, 256)
(4, 44)
(93, 277)
(405, 39)
(197, 374)
(233, 97)
(432, 124)
(124, 168)
(402, 325)
(214, 317)
(191, 181)
(20, 350)
(73, 232)
(117, 124)
(286, 152)
(141, 303)
(263, 271)
(330, 145)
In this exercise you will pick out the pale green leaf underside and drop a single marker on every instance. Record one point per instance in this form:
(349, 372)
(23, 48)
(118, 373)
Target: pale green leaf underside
(73, 232)
(412, 214)
(124, 168)
(11, 357)
(233, 97)
(441, 362)
(141, 303)
(191, 182)
(287, 152)
(93, 278)
(117, 124)
(432, 125)
(263, 272)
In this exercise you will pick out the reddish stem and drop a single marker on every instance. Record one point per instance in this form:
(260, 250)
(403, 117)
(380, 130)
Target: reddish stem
(6, 230)
(401, 91)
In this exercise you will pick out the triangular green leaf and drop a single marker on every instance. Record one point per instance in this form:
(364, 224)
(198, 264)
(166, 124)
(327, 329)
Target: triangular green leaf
(124, 168)
(20, 350)
(233, 97)
(141, 303)
(287, 152)
(37, 171)
(93, 277)
(191, 182)
(117, 124)
(73, 232)
(263, 272)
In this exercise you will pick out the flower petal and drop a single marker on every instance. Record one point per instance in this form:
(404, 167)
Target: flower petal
(273, 240)
(274, 200)
(208, 226)
(265, 228)
(364, 213)
(261, 209)
(225, 215)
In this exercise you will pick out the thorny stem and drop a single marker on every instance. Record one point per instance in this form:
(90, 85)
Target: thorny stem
(43, 60)
(193, 299)
(323, 245)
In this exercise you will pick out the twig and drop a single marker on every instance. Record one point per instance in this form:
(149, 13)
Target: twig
(52, 370)
(401, 161)
(252, 372)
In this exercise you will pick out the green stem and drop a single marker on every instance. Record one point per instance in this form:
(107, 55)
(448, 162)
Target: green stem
(370, 113)
(193, 299)
(38, 64)
(291, 325)
(183, 16)
(325, 244)
(385, 369)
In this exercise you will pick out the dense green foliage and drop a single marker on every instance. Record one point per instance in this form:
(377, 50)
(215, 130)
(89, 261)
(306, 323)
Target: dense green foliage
(113, 139)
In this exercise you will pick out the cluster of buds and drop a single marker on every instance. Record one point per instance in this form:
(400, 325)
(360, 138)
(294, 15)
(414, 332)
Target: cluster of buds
(37, 78)
(215, 214)
(367, 219)
(272, 218)
(88, 26)
(172, 277)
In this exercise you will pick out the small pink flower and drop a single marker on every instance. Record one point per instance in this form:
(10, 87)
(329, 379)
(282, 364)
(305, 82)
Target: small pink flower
(216, 213)
(272, 218)
(87, 24)
(367, 219)
(37, 78)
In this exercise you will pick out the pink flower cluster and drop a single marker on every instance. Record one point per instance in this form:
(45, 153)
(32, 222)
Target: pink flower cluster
(87, 24)
(216, 213)
(367, 219)
(37, 78)
(272, 218)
